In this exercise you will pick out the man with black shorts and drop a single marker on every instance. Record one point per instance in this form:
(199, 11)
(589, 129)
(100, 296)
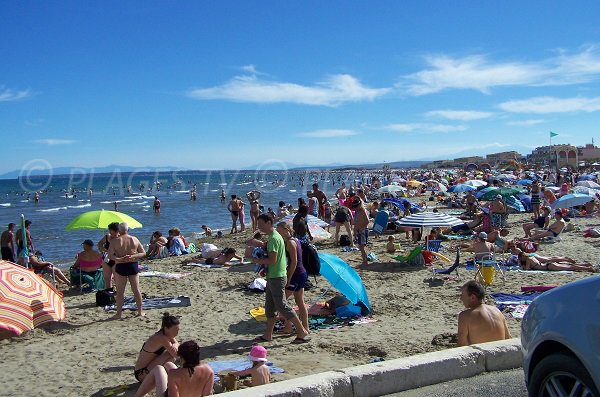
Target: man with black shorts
(126, 250)
(361, 231)
(7, 241)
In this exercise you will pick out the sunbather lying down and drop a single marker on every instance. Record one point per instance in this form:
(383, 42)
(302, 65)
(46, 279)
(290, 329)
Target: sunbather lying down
(532, 263)
(225, 256)
(546, 259)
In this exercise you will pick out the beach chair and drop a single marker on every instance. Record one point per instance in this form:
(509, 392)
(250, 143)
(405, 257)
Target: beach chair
(433, 245)
(47, 274)
(448, 271)
(414, 258)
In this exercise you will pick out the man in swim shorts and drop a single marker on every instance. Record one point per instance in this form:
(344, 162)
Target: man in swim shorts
(361, 231)
(126, 250)
(8, 243)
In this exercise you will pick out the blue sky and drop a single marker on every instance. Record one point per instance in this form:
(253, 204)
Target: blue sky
(213, 84)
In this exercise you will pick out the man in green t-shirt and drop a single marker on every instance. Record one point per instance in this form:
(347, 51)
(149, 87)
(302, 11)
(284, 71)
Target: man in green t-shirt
(276, 264)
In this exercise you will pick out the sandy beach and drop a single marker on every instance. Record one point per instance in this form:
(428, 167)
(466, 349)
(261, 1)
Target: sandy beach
(88, 355)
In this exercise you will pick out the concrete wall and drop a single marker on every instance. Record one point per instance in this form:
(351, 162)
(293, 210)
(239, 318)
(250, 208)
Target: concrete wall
(393, 376)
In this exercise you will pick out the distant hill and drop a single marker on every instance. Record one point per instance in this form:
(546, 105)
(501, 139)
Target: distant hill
(80, 170)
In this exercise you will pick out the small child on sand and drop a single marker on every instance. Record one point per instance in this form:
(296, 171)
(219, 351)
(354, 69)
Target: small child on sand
(391, 245)
(259, 371)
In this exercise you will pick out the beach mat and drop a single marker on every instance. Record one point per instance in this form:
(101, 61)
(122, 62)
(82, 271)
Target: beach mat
(154, 303)
(175, 276)
(470, 266)
(238, 365)
(501, 298)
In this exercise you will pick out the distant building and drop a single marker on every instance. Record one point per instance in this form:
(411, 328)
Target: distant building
(495, 159)
(555, 156)
(464, 161)
(588, 153)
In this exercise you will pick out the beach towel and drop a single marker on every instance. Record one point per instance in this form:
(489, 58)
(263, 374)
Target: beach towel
(164, 275)
(205, 265)
(153, 303)
(239, 365)
(537, 288)
(501, 298)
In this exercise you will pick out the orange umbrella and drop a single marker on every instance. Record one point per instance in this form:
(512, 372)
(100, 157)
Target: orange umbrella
(414, 183)
(26, 300)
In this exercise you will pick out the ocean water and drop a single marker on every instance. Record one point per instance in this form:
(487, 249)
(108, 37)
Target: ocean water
(55, 209)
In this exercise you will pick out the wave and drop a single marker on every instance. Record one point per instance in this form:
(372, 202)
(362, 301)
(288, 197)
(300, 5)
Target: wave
(80, 206)
(53, 209)
(148, 197)
(145, 206)
(106, 202)
(5, 204)
(24, 201)
(293, 190)
(84, 200)
(140, 203)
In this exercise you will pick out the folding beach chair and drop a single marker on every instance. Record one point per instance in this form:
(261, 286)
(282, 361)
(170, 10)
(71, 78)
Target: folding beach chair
(448, 271)
(433, 245)
(414, 258)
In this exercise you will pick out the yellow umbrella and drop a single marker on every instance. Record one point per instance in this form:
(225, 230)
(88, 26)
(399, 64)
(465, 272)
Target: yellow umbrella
(414, 183)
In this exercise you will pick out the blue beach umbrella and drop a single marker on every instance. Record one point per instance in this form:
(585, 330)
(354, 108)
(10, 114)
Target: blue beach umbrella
(399, 202)
(524, 182)
(461, 188)
(571, 200)
(344, 279)
(515, 203)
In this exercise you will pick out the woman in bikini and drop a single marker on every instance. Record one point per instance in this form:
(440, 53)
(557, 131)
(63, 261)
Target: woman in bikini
(532, 263)
(108, 265)
(159, 351)
(253, 198)
(88, 261)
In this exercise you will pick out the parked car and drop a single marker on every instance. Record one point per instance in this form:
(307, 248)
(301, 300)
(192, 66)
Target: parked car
(560, 335)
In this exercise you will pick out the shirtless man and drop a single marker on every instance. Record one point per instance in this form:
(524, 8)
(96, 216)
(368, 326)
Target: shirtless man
(341, 192)
(7, 240)
(19, 241)
(320, 197)
(471, 200)
(481, 247)
(498, 212)
(194, 379)
(479, 323)
(361, 221)
(125, 250)
(554, 229)
(234, 209)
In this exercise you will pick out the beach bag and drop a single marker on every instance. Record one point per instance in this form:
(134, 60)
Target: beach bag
(258, 285)
(345, 241)
(427, 257)
(105, 297)
(310, 259)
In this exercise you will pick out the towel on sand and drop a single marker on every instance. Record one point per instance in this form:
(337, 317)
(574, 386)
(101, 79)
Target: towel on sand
(153, 303)
(164, 275)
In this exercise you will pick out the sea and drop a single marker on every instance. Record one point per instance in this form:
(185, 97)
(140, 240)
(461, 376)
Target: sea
(63, 197)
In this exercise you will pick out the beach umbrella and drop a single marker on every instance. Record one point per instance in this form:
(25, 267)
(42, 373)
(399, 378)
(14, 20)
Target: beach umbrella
(553, 189)
(437, 186)
(476, 183)
(571, 200)
(503, 191)
(429, 219)
(391, 189)
(513, 202)
(590, 184)
(400, 203)
(524, 182)
(414, 183)
(461, 188)
(310, 219)
(586, 190)
(100, 219)
(344, 279)
(26, 300)
(506, 176)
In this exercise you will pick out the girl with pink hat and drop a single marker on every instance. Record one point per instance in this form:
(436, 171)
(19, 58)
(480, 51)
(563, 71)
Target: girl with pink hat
(259, 371)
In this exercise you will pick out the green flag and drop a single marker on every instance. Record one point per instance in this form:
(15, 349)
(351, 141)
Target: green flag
(552, 134)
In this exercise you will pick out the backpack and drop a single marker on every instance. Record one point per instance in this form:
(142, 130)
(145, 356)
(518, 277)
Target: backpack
(310, 259)
(345, 240)
(105, 297)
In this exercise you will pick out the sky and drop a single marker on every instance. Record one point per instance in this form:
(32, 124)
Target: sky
(231, 84)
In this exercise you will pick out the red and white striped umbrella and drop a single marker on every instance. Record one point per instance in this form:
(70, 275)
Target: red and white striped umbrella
(26, 300)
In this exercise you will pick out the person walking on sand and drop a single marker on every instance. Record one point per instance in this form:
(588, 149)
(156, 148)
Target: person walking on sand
(479, 323)
(276, 282)
(361, 231)
(126, 250)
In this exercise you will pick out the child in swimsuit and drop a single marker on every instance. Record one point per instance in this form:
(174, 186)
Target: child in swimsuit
(259, 372)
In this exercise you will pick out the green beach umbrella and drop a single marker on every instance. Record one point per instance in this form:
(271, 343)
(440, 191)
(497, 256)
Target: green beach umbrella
(503, 191)
(100, 220)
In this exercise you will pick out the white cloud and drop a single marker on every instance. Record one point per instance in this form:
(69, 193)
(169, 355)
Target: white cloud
(327, 133)
(249, 69)
(53, 142)
(526, 123)
(547, 104)
(8, 95)
(425, 128)
(333, 91)
(461, 115)
(477, 72)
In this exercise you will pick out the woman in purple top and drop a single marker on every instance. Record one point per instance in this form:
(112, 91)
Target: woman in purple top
(296, 274)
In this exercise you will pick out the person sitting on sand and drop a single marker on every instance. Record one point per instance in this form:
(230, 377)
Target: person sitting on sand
(529, 262)
(157, 241)
(208, 231)
(259, 372)
(554, 229)
(282, 211)
(479, 323)
(480, 247)
(227, 255)
(498, 238)
(541, 222)
(39, 265)
(157, 354)
(390, 247)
